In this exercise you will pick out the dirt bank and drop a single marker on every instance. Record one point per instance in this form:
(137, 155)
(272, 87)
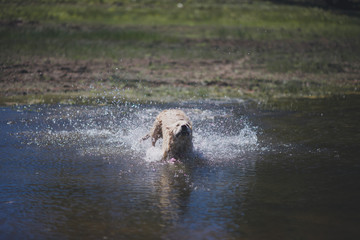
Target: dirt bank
(47, 75)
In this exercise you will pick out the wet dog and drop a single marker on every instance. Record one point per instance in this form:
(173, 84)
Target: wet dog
(176, 130)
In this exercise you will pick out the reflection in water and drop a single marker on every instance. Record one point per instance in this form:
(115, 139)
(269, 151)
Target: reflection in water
(81, 172)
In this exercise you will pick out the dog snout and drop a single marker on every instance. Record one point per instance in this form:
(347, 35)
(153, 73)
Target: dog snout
(184, 128)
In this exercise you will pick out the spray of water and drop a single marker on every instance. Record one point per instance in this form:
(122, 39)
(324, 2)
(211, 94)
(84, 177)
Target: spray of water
(219, 134)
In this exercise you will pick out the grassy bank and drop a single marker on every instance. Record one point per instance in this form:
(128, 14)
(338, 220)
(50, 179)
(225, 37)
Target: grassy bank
(162, 50)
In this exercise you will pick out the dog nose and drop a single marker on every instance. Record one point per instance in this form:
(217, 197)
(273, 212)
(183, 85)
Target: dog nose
(183, 128)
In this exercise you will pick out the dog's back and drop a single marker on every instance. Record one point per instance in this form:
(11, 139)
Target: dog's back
(171, 116)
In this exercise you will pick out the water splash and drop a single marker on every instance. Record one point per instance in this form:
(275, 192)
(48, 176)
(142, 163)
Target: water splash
(220, 134)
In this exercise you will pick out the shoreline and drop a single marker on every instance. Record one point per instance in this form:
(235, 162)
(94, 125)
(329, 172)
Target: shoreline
(46, 80)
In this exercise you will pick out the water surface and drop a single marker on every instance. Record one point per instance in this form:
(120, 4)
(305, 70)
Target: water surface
(287, 170)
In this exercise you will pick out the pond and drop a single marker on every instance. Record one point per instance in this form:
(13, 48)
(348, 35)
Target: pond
(285, 170)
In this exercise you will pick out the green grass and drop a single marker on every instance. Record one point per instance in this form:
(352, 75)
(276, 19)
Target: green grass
(259, 20)
(271, 37)
(72, 43)
(78, 42)
(262, 90)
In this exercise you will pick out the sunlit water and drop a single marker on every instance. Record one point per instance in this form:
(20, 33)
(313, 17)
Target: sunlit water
(81, 172)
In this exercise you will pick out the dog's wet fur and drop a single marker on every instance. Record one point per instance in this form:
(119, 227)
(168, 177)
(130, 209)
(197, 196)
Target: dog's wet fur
(176, 130)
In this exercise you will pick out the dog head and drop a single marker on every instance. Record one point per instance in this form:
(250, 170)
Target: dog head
(182, 129)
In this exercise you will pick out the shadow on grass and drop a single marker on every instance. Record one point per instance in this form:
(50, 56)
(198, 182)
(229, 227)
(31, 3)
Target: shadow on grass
(349, 6)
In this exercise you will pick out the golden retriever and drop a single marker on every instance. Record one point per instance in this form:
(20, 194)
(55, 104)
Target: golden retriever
(176, 130)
